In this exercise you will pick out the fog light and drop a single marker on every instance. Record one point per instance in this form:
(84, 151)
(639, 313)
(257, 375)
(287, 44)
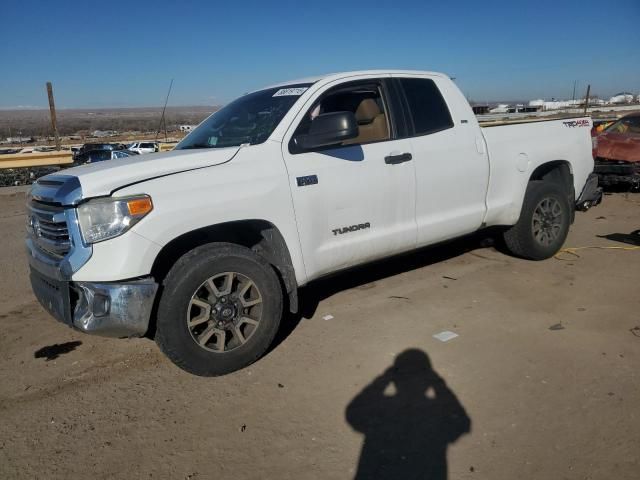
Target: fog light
(101, 305)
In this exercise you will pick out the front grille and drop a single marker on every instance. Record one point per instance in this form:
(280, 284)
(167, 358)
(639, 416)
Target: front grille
(616, 167)
(47, 227)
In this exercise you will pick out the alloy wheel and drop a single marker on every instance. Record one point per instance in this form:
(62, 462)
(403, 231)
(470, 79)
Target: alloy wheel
(224, 312)
(547, 221)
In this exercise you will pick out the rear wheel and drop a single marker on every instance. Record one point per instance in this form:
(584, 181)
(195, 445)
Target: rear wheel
(220, 309)
(543, 224)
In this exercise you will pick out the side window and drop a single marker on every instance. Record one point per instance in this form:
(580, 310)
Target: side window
(428, 109)
(364, 100)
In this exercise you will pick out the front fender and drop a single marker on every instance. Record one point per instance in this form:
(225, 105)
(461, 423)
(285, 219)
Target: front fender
(252, 186)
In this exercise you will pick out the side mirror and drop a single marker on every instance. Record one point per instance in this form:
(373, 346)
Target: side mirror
(329, 129)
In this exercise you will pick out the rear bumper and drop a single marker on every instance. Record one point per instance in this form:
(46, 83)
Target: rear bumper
(591, 194)
(121, 309)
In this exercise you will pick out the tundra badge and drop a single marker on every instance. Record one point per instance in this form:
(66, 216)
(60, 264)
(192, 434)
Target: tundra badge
(352, 228)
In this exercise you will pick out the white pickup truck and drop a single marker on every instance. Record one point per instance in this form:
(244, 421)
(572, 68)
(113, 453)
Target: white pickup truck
(206, 246)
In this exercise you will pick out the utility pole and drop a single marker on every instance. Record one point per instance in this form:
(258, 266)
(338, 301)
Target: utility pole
(162, 118)
(52, 109)
(573, 97)
(586, 100)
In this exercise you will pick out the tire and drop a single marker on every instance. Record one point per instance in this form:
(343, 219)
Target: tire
(188, 332)
(527, 238)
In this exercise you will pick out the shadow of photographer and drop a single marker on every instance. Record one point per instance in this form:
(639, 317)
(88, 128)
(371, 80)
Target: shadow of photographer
(407, 434)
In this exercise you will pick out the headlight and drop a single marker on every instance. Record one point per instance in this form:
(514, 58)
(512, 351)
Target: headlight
(105, 218)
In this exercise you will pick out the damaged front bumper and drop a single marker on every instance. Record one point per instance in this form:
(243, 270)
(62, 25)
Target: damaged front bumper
(613, 172)
(121, 309)
(591, 194)
(114, 309)
(56, 251)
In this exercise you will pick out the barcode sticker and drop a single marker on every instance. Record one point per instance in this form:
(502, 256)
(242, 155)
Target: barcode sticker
(296, 92)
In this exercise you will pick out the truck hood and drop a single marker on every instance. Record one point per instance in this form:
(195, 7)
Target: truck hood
(102, 178)
(619, 146)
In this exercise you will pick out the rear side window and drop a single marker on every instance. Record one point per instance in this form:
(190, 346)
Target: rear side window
(428, 109)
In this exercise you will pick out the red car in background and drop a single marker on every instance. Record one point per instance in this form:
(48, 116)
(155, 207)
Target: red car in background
(617, 153)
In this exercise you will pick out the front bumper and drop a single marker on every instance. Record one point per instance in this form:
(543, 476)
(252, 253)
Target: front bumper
(611, 173)
(591, 194)
(56, 252)
(114, 309)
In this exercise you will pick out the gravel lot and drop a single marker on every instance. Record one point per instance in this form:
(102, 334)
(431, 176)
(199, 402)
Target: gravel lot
(542, 382)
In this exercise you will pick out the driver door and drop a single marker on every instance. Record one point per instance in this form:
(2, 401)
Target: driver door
(354, 202)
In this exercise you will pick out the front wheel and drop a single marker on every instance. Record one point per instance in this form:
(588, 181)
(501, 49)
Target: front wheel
(543, 224)
(220, 309)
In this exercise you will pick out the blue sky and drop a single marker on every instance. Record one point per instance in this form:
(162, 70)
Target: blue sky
(116, 53)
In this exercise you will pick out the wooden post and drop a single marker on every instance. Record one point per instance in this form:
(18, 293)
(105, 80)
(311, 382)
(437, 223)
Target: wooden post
(52, 109)
(162, 119)
(586, 100)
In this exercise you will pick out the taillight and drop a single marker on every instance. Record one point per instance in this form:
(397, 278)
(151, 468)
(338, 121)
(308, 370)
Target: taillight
(594, 147)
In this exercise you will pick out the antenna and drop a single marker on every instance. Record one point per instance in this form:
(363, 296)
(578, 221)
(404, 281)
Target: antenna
(162, 117)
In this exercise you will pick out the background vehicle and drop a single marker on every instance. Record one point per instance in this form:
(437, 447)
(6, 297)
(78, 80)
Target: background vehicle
(285, 185)
(88, 147)
(8, 151)
(617, 152)
(93, 156)
(144, 147)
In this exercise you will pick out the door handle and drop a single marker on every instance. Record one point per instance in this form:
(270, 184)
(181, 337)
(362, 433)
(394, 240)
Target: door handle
(399, 158)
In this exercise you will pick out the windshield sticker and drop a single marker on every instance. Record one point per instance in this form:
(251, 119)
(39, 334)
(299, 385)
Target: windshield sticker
(296, 92)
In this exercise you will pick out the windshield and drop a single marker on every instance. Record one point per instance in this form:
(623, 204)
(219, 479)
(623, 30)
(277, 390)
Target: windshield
(248, 120)
(100, 155)
(625, 125)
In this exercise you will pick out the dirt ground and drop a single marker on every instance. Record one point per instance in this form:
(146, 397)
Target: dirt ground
(542, 382)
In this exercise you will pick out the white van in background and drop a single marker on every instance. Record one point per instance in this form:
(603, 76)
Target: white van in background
(144, 147)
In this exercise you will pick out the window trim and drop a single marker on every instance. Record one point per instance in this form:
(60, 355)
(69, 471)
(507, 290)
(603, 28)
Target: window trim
(385, 96)
(402, 114)
(411, 128)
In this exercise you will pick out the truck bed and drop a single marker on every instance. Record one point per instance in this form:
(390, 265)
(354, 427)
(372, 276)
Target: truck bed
(516, 121)
(517, 149)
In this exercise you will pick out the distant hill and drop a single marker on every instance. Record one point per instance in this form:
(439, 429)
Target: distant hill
(29, 123)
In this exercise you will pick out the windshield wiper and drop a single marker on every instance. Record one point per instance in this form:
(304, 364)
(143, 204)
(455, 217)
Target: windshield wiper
(196, 145)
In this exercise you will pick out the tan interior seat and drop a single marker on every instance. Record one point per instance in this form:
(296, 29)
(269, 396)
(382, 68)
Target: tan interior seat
(372, 123)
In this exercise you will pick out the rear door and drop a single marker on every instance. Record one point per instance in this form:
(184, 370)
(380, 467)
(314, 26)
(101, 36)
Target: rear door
(354, 202)
(451, 163)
